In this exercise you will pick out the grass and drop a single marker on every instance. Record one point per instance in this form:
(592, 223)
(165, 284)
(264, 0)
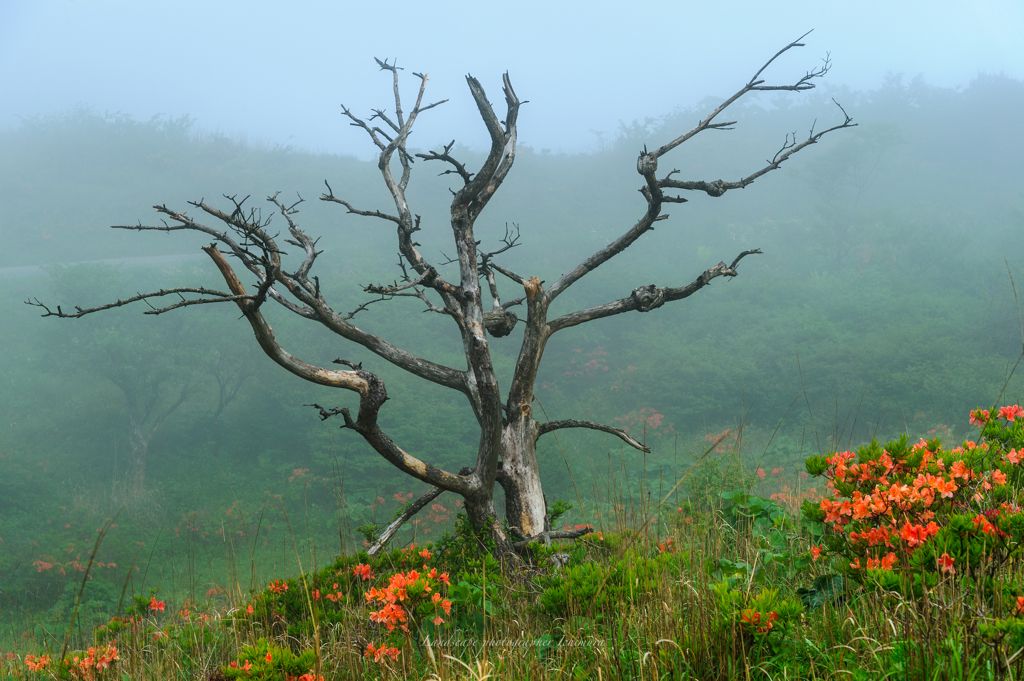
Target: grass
(719, 585)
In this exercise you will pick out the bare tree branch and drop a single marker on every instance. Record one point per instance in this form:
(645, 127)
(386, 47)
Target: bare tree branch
(719, 187)
(329, 196)
(543, 428)
(81, 312)
(447, 158)
(753, 84)
(372, 393)
(407, 513)
(647, 166)
(546, 537)
(508, 273)
(647, 298)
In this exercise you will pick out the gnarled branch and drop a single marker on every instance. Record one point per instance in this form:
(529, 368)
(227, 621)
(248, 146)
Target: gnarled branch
(647, 298)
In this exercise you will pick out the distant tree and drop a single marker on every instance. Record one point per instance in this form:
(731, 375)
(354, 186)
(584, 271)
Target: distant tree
(507, 446)
(154, 371)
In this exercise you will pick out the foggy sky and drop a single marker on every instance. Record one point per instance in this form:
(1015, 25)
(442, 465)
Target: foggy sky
(258, 71)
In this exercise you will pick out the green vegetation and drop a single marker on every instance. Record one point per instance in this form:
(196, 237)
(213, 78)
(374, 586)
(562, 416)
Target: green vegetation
(661, 591)
(881, 306)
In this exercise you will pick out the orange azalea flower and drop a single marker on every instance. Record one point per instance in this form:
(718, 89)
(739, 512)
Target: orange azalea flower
(878, 505)
(960, 470)
(1010, 413)
(156, 606)
(946, 563)
(390, 615)
(946, 488)
(898, 493)
(998, 477)
(982, 523)
(362, 571)
(815, 552)
(889, 561)
(1019, 610)
(381, 652)
(1014, 457)
(915, 535)
(860, 507)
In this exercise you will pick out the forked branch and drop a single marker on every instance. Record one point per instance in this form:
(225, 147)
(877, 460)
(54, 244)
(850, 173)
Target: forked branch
(647, 298)
(647, 166)
(219, 297)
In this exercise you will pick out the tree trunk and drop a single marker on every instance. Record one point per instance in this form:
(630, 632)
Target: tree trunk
(525, 506)
(481, 513)
(138, 441)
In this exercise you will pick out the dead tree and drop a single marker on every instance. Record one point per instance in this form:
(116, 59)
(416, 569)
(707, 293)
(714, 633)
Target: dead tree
(507, 449)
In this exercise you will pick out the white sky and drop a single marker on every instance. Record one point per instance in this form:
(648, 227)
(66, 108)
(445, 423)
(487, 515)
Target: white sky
(276, 74)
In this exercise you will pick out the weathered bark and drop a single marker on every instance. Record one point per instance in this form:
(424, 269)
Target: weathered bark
(508, 432)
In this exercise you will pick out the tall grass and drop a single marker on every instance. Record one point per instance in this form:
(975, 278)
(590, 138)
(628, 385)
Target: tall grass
(637, 599)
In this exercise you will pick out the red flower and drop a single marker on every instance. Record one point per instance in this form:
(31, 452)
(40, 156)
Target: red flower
(946, 563)
(754, 619)
(1010, 413)
(156, 606)
(979, 417)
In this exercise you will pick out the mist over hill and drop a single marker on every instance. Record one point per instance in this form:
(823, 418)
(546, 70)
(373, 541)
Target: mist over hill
(882, 303)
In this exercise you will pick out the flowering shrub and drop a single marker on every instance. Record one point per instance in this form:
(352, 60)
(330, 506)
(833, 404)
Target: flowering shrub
(904, 516)
(91, 664)
(86, 666)
(407, 601)
(37, 664)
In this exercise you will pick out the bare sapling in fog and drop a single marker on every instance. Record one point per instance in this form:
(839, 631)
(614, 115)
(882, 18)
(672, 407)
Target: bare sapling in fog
(479, 301)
